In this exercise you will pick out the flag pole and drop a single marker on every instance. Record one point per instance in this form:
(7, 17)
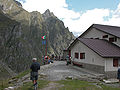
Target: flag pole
(46, 45)
(44, 42)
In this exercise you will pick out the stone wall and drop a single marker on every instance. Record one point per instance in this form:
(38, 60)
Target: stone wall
(98, 69)
(111, 74)
(95, 68)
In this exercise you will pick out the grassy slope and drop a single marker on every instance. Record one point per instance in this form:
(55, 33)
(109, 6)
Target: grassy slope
(82, 85)
(68, 85)
(29, 85)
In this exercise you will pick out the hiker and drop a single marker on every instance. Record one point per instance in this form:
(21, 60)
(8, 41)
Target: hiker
(118, 73)
(67, 59)
(46, 60)
(34, 71)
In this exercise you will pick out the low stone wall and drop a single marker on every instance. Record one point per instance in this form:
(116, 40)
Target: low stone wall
(111, 74)
(96, 68)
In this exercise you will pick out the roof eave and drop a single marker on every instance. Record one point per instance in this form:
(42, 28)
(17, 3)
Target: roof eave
(111, 56)
(86, 31)
(72, 44)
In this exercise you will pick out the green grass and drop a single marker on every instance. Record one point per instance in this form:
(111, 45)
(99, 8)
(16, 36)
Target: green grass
(77, 85)
(65, 85)
(29, 85)
(82, 85)
(109, 88)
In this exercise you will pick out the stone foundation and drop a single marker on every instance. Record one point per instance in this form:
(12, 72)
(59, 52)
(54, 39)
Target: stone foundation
(96, 68)
(111, 74)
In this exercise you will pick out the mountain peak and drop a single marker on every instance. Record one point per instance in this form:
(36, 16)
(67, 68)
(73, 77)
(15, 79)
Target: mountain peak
(18, 3)
(47, 11)
(47, 14)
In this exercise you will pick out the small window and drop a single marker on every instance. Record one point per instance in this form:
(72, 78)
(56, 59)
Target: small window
(105, 36)
(82, 55)
(76, 55)
(113, 39)
(115, 62)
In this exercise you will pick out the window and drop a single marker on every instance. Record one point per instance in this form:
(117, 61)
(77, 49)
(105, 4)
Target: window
(113, 39)
(82, 55)
(96, 38)
(105, 36)
(76, 55)
(115, 62)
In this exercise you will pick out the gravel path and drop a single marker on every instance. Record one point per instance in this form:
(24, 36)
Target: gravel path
(59, 71)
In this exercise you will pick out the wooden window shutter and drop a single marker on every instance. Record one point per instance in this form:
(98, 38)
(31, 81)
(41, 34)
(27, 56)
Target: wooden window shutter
(115, 62)
(76, 55)
(81, 56)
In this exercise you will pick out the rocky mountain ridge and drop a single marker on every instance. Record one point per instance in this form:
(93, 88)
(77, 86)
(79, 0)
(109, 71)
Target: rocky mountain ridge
(47, 14)
(21, 33)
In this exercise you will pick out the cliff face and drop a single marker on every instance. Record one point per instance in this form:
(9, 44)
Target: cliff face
(10, 45)
(21, 32)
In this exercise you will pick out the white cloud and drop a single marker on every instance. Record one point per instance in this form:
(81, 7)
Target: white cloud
(115, 19)
(58, 7)
(42, 5)
(75, 21)
(86, 19)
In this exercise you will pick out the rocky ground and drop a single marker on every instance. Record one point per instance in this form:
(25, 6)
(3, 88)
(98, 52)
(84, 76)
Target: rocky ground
(60, 71)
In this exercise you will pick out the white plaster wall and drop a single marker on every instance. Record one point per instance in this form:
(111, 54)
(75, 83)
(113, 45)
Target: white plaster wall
(118, 42)
(93, 33)
(90, 56)
(109, 65)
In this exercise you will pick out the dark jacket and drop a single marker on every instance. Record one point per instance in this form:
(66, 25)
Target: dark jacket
(118, 73)
(35, 67)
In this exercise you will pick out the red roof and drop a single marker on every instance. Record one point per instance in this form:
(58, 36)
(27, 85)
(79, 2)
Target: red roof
(102, 47)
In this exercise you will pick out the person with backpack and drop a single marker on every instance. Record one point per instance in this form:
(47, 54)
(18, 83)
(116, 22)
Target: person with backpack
(35, 66)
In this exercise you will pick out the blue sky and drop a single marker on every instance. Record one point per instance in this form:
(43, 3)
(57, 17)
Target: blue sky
(78, 15)
(83, 5)
(23, 1)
